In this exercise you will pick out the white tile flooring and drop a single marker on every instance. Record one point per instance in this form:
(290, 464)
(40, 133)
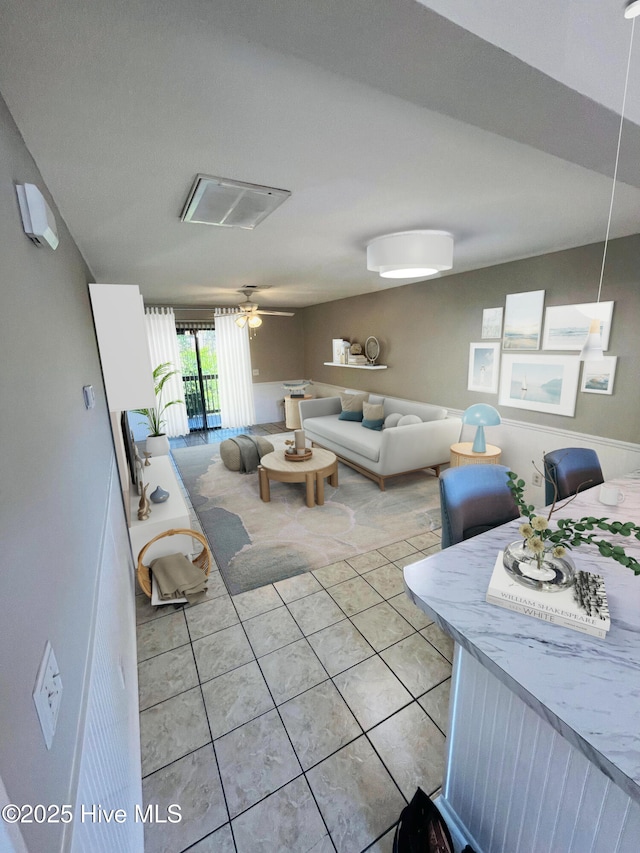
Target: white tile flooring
(298, 717)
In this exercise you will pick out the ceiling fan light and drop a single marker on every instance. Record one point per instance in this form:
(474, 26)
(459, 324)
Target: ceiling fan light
(410, 254)
(255, 321)
(241, 321)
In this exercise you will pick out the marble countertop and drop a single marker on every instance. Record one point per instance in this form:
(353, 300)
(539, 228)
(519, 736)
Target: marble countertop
(587, 688)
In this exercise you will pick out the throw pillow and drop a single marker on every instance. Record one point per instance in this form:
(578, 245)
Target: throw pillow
(392, 420)
(352, 406)
(372, 415)
(349, 416)
(405, 420)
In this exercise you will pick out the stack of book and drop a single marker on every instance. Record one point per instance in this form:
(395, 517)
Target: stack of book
(582, 606)
(357, 359)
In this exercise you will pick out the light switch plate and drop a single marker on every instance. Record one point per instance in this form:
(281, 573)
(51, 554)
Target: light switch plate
(47, 694)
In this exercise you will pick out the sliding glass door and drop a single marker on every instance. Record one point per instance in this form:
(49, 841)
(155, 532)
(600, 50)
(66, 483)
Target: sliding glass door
(199, 365)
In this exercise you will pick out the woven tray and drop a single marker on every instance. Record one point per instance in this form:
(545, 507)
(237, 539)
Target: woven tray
(298, 457)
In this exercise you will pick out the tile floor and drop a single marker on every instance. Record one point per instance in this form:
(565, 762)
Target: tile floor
(298, 717)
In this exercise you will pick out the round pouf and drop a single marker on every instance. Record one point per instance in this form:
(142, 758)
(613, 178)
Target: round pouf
(230, 452)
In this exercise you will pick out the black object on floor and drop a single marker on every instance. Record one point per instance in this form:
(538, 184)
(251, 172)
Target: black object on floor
(421, 828)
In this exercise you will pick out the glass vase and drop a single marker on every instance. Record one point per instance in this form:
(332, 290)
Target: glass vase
(546, 573)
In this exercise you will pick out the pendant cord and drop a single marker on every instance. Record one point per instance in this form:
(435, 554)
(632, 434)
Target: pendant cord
(615, 169)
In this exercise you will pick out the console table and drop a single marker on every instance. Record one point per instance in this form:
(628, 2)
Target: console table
(543, 751)
(173, 513)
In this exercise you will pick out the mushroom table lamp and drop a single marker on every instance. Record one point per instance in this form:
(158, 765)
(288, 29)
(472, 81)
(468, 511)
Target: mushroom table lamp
(481, 415)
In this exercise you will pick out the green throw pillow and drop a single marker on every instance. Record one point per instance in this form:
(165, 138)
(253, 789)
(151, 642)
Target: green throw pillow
(373, 415)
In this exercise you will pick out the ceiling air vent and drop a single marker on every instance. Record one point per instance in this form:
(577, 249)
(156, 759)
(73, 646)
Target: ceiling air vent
(233, 204)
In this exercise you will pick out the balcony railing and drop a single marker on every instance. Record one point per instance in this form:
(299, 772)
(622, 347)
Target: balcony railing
(202, 401)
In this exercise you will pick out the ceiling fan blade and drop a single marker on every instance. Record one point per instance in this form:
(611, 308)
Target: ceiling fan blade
(277, 313)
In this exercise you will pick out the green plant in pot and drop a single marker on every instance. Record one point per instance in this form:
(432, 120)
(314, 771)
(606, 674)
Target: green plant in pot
(157, 441)
(540, 560)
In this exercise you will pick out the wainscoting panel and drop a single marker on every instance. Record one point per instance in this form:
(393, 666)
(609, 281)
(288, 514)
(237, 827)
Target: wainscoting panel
(517, 786)
(523, 444)
(110, 774)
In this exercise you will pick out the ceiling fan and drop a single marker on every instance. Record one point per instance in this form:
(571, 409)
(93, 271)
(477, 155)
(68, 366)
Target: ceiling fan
(249, 314)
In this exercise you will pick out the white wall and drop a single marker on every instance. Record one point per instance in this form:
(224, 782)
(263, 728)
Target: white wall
(55, 463)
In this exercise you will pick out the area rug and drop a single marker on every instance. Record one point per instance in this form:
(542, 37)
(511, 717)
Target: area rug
(256, 543)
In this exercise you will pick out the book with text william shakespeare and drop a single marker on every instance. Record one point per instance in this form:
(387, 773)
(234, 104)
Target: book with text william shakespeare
(560, 608)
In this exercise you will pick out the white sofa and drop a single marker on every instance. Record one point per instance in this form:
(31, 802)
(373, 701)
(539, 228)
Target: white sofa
(387, 453)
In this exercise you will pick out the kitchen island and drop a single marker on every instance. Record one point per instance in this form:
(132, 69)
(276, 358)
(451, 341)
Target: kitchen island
(543, 752)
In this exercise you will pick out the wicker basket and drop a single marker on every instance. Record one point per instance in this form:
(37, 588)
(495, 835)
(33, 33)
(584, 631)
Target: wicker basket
(202, 561)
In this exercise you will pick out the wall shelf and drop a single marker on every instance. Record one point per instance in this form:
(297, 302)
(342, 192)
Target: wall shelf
(356, 366)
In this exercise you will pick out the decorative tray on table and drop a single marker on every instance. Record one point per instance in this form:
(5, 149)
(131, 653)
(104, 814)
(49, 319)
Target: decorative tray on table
(293, 456)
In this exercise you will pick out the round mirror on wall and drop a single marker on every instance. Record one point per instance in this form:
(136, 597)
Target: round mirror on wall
(372, 349)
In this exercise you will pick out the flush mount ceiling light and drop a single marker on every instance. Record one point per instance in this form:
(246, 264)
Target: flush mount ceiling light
(592, 348)
(632, 10)
(410, 254)
(231, 204)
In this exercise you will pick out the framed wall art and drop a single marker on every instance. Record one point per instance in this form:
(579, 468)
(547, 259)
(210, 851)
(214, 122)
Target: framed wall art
(484, 362)
(523, 320)
(491, 323)
(598, 376)
(540, 383)
(566, 326)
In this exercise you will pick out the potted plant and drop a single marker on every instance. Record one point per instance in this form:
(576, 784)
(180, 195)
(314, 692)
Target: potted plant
(539, 560)
(157, 441)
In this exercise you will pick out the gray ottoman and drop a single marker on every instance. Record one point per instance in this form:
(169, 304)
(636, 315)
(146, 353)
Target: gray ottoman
(230, 452)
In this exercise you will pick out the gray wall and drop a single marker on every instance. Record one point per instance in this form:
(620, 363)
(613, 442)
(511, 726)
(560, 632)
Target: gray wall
(277, 349)
(56, 457)
(425, 329)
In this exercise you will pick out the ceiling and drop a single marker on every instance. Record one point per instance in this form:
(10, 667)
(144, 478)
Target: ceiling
(494, 119)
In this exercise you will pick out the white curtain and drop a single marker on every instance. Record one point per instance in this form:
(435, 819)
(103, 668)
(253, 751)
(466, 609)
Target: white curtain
(163, 346)
(235, 384)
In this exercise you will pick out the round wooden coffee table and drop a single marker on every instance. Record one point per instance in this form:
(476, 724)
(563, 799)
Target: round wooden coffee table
(323, 463)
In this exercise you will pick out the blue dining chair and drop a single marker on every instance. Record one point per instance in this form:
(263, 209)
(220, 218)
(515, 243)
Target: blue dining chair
(474, 499)
(571, 469)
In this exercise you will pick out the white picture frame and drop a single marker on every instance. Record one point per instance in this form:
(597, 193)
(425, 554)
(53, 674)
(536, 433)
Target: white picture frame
(540, 383)
(491, 323)
(598, 376)
(523, 320)
(566, 326)
(484, 367)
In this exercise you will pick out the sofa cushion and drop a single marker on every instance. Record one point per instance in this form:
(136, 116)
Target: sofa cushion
(392, 420)
(350, 416)
(352, 406)
(405, 420)
(372, 415)
(346, 434)
(425, 411)
(353, 402)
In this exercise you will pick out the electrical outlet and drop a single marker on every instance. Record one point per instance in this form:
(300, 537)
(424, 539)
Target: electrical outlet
(536, 479)
(255, 371)
(47, 694)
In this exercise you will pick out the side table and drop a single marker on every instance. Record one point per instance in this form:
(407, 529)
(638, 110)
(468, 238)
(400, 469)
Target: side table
(462, 454)
(292, 412)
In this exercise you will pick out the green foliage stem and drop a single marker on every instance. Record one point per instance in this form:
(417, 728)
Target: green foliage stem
(571, 533)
